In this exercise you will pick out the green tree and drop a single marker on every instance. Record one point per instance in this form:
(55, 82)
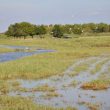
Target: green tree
(11, 31)
(77, 29)
(57, 31)
(40, 30)
(15, 31)
(26, 29)
(22, 29)
(102, 27)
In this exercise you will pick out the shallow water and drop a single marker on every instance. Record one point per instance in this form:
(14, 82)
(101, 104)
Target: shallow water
(22, 52)
(71, 96)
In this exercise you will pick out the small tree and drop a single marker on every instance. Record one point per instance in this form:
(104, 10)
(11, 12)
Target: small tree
(15, 30)
(21, 29)
(57, 31)
(40, 30)
(10, 31)
(32, 30)
(77, 29)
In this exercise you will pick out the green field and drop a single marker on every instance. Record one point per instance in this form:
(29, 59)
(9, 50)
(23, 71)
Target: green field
(44, 65)
(48, 64)
(3, 50)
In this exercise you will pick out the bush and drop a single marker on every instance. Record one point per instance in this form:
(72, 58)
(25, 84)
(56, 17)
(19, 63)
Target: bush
(57, 31)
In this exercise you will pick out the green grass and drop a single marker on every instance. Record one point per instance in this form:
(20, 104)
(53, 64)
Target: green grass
(103, 80)
(6, 86)
(45, 65)
(4, 50)
(19, 103)
(99, 66)
(82, 67)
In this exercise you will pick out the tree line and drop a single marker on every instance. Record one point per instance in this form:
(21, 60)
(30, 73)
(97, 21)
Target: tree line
(25, 29)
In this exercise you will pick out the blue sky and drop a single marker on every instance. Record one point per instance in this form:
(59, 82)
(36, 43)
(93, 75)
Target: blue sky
(53, 11)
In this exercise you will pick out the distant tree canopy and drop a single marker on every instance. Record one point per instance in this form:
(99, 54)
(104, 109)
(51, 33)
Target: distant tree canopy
(25, 29)
(77, 29)
(40, 30)
(57, 31)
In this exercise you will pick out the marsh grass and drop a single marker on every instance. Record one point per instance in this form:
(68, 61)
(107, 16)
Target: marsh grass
(50, 95)
(101, 83)
(44, 88)
(82, 67)
(91, 106)
(45, 65)
(74, 83)
(20, 103)
(6, 86)
(96, 85)
(4, 50)
(98, 67)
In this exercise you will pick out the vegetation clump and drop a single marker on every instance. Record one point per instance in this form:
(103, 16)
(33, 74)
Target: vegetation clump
(50, 95)
(96, 85)
(44, 88)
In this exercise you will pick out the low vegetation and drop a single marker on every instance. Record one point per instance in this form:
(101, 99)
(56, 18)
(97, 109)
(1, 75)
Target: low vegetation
(45, 88)
(99, 66)
(50, 95)
(19, 103)
(45, 65)
(101, 83)
(49, 64)
(4, 50)
(96, 85)
(91, 106)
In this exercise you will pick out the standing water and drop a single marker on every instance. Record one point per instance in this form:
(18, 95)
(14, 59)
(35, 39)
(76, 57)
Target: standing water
(21, 51)
(68, 95)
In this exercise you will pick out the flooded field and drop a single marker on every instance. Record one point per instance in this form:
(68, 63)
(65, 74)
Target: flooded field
(65, 90)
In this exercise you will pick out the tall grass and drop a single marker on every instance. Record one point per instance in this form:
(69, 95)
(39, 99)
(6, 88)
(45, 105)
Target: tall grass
(19, 103)
(45, 65)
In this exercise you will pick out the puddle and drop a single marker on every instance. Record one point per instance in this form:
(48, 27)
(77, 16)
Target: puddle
(21, 51)
(70, 96)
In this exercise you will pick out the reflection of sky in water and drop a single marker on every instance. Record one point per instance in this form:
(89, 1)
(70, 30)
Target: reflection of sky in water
(16, 55)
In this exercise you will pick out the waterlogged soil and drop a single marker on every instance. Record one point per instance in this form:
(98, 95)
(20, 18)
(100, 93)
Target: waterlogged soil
(68, 87)
(20, 51)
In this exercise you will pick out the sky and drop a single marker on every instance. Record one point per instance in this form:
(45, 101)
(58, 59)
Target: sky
(53, 12)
